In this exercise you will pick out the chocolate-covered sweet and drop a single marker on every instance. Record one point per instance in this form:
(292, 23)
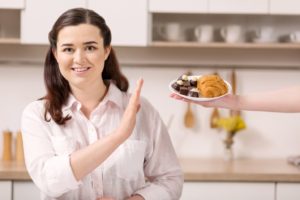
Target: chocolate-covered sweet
(183, 90)
(184, 77)
(176, 85)
(193, 92)
(193, 81)
(186, 83)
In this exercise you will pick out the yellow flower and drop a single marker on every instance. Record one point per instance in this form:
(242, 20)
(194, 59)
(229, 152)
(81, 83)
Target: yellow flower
(231, 124)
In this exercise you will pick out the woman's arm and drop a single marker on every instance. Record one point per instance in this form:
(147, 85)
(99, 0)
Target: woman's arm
(282, 100)
(86, 160)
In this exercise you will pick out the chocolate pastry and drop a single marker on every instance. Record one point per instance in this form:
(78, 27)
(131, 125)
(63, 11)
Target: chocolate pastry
(193, 92)
(177, 85)
(184, 90)
(184, 77)
(193, 81)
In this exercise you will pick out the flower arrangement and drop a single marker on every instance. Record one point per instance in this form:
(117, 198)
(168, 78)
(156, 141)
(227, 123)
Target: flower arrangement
(232, 125)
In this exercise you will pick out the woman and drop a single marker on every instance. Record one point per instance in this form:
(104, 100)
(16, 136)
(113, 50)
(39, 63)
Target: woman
(281, 100)
(87, 138)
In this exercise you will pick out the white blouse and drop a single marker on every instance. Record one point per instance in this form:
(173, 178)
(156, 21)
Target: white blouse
(144, 164)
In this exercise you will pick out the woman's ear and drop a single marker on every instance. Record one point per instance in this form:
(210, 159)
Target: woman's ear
(107, 51)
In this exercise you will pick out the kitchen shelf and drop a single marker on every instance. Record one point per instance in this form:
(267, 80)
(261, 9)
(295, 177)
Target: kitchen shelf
(226, 45)
(10, 41)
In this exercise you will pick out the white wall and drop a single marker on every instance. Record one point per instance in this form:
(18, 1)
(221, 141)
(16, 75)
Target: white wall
(267, 134)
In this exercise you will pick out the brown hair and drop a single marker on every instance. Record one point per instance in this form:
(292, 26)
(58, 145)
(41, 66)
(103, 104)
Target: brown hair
(58, 88)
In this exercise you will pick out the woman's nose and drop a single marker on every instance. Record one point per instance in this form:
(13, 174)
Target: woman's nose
(79, 57)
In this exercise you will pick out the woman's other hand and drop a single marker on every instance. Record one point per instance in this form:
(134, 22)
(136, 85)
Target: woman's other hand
(229, 101)
(129, 116)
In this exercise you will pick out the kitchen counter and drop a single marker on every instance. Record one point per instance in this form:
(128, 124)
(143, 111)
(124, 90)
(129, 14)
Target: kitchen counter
(245, 170)
(13, 171)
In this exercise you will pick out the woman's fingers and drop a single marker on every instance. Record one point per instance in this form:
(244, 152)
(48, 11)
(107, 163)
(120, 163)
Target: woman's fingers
(129, 116)
(135, 98)
(202, 103)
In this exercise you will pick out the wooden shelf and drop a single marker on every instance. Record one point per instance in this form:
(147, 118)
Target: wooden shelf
(10, 41)
(227, 45)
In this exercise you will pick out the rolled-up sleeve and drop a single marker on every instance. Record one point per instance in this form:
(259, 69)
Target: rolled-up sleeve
(162, 167)
(51, 173)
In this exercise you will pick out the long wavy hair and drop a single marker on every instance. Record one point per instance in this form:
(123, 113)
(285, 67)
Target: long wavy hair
(57, 87)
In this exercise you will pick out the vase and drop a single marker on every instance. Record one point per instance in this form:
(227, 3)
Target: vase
(228, 154)
(228, 143)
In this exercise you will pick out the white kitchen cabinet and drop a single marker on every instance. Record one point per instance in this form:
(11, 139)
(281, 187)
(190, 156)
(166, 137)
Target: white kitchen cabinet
(178, 6)
(288, 191)
(38, 17)
(25, 190)
(227, 191)
(290, 7)
(5, 190)
(239, 7)
(128, 20)
(12, 4)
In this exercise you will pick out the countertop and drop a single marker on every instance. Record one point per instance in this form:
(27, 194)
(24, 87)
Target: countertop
(245, 170)
(13, 171)
(254, 170)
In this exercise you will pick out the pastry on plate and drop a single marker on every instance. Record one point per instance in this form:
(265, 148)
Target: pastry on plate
(211, 86)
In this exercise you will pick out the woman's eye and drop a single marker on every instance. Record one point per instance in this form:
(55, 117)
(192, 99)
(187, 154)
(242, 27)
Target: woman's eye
(90, 48)
(68, 50)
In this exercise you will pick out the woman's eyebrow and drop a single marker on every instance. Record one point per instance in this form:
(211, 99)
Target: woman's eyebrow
(85, 43)
(90, 42)
(66, 44)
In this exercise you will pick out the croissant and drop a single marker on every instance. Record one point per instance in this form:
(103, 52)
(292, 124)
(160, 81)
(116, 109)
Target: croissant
(211, 86)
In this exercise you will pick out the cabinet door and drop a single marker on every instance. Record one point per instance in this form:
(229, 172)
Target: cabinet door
(178, 6)
(128, 20)
(38, 17)
(25, 190)
(5, 190)
(12, 4)
(285, 7)
(288, 191)
(227, 191)
(239, 7)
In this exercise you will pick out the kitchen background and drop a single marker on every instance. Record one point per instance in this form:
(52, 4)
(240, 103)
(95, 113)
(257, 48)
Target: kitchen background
(157, 40)
(144, 52)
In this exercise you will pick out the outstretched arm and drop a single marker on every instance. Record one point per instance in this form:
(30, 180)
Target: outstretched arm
(282, 100)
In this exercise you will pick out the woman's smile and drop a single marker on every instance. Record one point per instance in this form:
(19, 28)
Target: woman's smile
(80, 69)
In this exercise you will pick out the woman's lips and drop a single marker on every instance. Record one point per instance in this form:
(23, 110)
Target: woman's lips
(80, 69)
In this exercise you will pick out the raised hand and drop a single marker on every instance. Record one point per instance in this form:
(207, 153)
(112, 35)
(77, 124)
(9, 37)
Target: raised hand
(129, 116)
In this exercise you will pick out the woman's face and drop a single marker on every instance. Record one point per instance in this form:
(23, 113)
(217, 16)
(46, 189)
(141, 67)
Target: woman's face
(80, 55)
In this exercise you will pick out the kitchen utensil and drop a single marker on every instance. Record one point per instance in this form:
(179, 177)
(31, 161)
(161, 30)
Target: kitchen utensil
(19, 148)
(215, 115)
(189, 118)
(233, 85)
(7, 146)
